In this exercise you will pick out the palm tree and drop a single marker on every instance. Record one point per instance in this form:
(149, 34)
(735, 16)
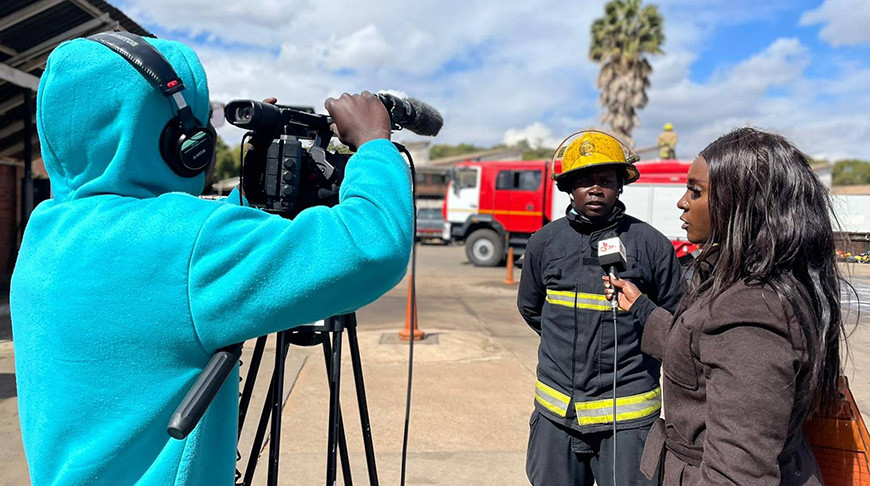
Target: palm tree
(621, 41)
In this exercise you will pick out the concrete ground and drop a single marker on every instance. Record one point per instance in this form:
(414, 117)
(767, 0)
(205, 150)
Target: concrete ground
(472, 390)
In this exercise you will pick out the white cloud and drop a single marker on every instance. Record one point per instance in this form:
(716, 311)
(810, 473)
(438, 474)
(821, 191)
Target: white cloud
(493, 67)
(365, 48)
(844, 22)
(229, 21)
(537, 135)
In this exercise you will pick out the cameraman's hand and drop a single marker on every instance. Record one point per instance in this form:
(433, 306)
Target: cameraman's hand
(628, 292)
(358, 118)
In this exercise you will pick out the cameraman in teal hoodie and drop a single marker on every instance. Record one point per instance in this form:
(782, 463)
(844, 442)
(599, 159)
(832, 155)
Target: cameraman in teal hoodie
(127, 283)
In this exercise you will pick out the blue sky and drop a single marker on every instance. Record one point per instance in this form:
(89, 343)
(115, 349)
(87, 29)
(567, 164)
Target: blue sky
(517, 69)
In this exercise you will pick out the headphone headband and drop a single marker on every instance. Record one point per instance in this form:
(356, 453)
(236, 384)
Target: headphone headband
(145, 58)
(185, 144)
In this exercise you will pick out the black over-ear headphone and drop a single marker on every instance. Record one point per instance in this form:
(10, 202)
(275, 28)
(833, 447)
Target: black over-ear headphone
(186, 145)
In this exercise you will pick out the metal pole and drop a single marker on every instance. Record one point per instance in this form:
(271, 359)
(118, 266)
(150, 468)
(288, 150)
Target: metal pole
(27, 206)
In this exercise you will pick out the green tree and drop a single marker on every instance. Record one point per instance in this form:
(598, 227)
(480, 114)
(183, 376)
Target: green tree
(851, 171)
(441, 151)
(622, 40)
(531, 153)
(538, 153)
(227, 162)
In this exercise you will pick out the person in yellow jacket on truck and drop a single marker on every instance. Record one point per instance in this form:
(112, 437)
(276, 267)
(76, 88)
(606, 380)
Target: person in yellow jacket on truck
(561, 298)
(667, 143)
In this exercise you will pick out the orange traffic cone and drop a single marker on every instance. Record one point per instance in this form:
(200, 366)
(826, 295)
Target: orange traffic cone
(410, 321)
(510, 267)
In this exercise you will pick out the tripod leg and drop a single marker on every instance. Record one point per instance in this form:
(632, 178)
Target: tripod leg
(342, 438)
(277, 399)
(261, 425)
(350, 325)
(253, 368)
(258, 438)
(335, 378)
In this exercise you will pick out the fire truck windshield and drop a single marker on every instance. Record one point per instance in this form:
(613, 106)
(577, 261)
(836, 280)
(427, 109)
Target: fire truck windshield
(464, 178)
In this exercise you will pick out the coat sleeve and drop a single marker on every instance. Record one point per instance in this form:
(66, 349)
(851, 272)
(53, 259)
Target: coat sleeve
(752, 367)
(532, 292)
(657, 324)
(252, 273)
(668, 276)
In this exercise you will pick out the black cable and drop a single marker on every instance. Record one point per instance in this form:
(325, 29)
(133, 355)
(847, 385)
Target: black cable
(413, 312)
(614, 306)
(238, 474)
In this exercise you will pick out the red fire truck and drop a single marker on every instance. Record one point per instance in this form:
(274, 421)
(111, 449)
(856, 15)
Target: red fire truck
(489, 203)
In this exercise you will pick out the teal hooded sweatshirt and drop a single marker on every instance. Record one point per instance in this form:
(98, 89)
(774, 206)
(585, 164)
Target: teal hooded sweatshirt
(127, 283)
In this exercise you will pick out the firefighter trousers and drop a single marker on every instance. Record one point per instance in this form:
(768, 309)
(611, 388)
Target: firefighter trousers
(560, 456)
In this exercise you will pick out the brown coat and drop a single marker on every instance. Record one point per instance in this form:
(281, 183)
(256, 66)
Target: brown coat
(732, 372)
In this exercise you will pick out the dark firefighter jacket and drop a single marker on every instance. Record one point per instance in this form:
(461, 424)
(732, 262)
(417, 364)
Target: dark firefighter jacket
(561, 296)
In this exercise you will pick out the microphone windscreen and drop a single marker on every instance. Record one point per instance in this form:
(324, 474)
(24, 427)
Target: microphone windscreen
(426, 120)
(611, 253)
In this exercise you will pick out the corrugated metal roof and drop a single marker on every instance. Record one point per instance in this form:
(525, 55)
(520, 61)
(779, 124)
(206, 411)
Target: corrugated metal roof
(29, 31)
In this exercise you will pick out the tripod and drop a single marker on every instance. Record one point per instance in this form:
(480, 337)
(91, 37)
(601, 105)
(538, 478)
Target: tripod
(215, 373)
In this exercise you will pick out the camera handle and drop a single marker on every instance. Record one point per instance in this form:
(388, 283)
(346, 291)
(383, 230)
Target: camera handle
(203, 391)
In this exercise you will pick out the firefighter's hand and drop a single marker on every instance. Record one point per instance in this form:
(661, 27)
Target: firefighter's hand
(628, 292)
(358, 118)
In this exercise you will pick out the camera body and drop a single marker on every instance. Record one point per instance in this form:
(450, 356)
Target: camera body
(281, 173)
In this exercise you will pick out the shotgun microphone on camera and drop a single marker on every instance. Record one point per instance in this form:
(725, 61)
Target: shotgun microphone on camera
(412, 114)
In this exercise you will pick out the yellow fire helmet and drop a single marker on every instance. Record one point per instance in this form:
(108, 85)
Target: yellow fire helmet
(591, 148)
(668, 127)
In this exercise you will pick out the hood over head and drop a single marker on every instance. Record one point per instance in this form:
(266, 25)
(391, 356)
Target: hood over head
(100, 120)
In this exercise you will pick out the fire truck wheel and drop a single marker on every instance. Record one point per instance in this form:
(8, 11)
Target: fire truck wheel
(484, 248)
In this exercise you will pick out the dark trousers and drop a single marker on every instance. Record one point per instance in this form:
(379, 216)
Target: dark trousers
(560, 456)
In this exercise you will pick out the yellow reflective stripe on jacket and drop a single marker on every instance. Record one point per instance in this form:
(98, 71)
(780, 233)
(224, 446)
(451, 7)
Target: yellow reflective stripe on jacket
(596, 302)
(627, 408)
(552, 399)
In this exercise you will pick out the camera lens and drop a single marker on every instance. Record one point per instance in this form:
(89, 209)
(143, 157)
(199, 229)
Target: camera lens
(244, 113)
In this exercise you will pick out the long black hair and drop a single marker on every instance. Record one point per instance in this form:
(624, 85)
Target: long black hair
(771, 223)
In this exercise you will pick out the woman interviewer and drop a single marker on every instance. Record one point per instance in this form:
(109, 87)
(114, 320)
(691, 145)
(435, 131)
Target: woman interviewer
(754, 344)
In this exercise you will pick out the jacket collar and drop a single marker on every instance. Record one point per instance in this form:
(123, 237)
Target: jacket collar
(581, 222)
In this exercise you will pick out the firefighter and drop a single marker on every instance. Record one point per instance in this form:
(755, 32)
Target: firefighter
(561, 298)
(667, 143)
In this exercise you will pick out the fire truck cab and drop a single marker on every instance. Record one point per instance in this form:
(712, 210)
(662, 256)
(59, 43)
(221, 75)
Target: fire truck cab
(490, 205)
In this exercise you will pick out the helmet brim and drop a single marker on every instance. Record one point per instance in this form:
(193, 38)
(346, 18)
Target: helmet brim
(565, 180)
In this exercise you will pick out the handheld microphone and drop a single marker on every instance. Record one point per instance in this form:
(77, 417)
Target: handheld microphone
(611, 257)
(412, 114)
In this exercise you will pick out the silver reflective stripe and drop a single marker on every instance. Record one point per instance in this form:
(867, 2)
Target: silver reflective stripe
(552, 399)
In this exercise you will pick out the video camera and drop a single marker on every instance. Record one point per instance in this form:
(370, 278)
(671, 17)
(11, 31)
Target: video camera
(280, 174)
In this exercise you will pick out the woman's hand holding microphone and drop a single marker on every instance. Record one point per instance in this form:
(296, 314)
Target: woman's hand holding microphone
(628, 292)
